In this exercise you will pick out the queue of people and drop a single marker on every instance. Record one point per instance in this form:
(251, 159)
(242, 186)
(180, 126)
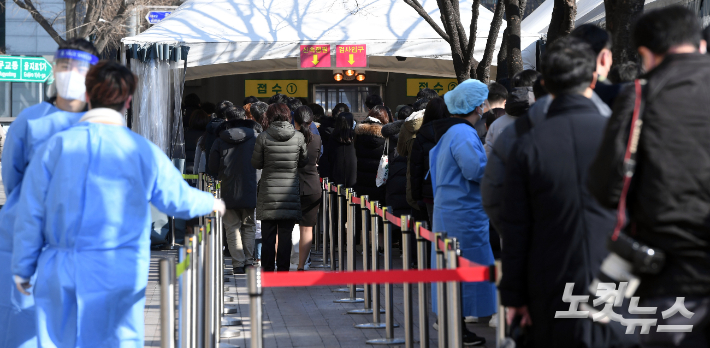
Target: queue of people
(542, 176)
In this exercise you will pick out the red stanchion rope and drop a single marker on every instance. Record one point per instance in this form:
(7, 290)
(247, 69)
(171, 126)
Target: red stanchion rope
(316, 278)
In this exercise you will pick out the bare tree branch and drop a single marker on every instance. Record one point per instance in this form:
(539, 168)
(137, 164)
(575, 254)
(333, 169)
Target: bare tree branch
(420, 10)
(90, 19)
(483, 72)
(39, 18)
(472, 37)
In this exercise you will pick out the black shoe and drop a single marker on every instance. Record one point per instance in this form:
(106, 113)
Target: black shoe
(238, 270)
(471, 339)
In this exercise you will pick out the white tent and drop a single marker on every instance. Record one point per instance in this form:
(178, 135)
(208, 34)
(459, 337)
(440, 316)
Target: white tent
(246, 36)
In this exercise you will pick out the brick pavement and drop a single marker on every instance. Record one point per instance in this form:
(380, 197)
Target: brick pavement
(300, 317)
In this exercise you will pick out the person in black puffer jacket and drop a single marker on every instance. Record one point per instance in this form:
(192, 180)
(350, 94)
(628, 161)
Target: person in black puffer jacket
(279, 152)
(198, 122)
(327, 126)
(396, 191)
(420, 182)
(231, 158)
(369, 147)
(340, 152)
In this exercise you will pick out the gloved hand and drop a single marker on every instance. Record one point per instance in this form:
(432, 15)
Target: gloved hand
(219, 206)
(22, 285)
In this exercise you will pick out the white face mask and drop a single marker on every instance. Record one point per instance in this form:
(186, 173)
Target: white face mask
(70, 85)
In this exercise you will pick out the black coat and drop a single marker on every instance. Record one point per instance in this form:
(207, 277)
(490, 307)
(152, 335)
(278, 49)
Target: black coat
(310, 182)
(669, 200)
(341, 162)
(191, 138)
(553, 230)
(396, 186)
(419, 181)
(326, 128)
(211, 135)
(369, 147)
(231, 159)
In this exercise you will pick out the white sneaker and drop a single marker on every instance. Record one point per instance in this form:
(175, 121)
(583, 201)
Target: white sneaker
(294, 266)
(471, 319)
(494, 321)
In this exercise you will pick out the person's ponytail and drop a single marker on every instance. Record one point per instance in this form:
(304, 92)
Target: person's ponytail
(304, 116)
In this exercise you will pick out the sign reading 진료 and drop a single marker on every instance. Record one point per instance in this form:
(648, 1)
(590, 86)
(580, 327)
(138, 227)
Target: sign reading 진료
(267, 88)
(441, 85)
(24, 69)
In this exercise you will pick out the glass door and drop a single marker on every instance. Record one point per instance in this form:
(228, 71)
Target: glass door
(353, 96)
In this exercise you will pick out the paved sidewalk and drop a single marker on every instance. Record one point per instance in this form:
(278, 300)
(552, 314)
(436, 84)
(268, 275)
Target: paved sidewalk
(301, 317)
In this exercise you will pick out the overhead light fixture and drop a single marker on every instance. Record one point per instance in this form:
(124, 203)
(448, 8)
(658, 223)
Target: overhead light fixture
(360, 77)
(349, 72)
(338, 77)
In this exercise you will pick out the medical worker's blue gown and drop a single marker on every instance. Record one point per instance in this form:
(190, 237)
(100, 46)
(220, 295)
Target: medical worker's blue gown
(86, 197)
(457, 164)
(32, 127)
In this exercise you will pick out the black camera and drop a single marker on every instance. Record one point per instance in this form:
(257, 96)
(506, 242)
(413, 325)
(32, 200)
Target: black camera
(627, 259)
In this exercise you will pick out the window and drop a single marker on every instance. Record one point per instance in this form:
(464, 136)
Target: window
(353, 96)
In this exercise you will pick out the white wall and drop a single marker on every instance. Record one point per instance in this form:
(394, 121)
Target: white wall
(24, 36)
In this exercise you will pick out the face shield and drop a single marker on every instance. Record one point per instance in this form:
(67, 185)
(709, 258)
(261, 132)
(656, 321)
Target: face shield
(70, 69)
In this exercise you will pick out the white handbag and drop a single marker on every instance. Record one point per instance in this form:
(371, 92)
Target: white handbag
(383, 169)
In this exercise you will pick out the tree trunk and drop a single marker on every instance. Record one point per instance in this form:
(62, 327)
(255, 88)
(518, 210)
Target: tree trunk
(620, 16)
(483, 71)
(515, 58)
(502, 73)
(562, 21)
(70, 11)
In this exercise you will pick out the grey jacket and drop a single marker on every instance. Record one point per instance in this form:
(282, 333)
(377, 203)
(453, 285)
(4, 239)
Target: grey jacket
(494, 176)
(279, 152)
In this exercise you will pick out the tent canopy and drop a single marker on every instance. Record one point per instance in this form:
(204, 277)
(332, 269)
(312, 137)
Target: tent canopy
(246, 36)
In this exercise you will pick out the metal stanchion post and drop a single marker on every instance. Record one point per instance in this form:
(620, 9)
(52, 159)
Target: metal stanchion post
(185, 321)
(454, 296)
(167, 304)
(339, 206)
(500, 327)
(332, 204)
(350, 231)
(325, 221)
(209, 286)
(254, 289)
(422, 287)
(441, 292)
(200, 288)
(376, 323)
(366, 260)
(219, 290)
(406, 260)
(389, 296)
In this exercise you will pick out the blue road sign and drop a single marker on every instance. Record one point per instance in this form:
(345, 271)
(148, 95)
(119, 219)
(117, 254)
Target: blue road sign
(155, 17)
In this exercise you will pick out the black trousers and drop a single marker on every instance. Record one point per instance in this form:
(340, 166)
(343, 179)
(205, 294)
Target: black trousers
(700, 321)
(269, 230)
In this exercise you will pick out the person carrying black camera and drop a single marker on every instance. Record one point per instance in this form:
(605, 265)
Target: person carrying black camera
(668, 199)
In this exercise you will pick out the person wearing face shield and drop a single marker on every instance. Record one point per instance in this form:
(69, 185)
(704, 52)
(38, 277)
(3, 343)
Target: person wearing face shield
(457, 163)
(32, 127)
(85, 222)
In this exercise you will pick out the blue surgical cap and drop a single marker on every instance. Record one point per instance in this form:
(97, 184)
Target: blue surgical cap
(463, 99)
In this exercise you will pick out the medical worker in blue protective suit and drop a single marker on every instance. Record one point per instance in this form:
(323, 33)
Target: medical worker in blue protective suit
(32, 127)
(85, 222)
(457, 163)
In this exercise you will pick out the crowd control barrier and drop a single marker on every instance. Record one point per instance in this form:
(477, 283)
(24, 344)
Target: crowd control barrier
(449, 271)
(192, 291)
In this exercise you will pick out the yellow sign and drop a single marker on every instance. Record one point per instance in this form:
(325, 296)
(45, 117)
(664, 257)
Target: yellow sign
(267, 88)
(441, 86)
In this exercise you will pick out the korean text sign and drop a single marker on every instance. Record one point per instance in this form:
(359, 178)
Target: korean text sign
(351, 56)
(315, 56)
(441, 85)
(267, 88)
(24, 69)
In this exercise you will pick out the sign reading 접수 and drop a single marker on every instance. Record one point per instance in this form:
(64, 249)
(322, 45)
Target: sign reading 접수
(441, 85)
(24, 69)
(267, 88)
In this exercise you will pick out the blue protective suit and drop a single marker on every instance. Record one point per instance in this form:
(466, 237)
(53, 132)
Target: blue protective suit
(457, 163)
(32, 127)
(86, 200)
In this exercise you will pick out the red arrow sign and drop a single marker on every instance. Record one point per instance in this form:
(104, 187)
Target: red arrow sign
(351, 56)
(315, 56)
